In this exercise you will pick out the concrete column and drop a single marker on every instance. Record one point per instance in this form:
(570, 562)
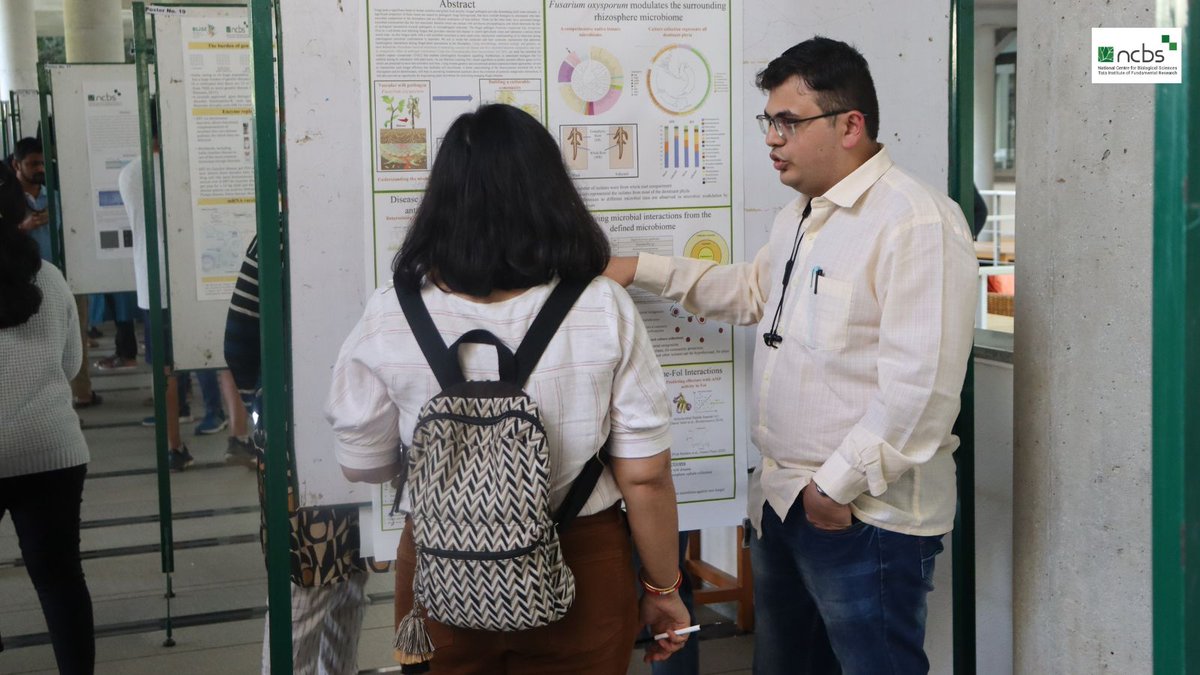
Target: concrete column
(1081, 479)
(93, 31)
(18, 46)
(985, 105)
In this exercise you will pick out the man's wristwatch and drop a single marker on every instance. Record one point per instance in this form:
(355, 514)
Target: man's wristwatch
(818, 489)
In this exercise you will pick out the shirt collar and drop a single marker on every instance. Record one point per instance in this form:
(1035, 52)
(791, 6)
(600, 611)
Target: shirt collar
(848, 190)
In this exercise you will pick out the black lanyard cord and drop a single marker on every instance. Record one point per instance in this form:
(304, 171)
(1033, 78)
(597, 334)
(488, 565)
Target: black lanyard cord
(772, 338)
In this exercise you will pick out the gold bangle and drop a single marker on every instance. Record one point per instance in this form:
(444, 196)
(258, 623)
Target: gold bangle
(655, 590)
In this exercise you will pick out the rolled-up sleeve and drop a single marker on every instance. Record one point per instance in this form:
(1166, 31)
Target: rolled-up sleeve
(364, 418)
(640, 411)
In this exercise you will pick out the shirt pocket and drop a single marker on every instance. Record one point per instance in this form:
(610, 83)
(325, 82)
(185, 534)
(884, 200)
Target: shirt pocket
(827, 315)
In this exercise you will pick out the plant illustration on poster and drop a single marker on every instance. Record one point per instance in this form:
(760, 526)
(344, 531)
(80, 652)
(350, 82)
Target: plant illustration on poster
(403, 135)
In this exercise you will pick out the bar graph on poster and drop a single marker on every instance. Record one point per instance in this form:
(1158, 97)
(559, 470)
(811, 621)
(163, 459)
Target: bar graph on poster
(642, 99)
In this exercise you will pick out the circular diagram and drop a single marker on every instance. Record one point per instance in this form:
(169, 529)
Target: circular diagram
(678, 79)
(591, 85)
(707, 245)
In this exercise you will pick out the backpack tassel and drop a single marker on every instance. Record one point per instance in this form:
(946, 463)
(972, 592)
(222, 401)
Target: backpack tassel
(413, 646)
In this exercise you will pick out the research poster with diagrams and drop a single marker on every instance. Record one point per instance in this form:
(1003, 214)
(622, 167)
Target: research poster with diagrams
(111, 114)
(217, 83)
(641, 97)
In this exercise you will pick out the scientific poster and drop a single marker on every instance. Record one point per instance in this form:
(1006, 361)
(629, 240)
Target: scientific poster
(641, 98)
(218, 85)
(111, 113)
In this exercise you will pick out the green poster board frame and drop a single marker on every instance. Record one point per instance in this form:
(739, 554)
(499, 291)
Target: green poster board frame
(1175, 495)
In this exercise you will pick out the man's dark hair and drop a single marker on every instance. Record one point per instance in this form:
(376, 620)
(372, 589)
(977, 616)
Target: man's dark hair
(26, 147)
(500, 211)
(836, 72)
(20, 258)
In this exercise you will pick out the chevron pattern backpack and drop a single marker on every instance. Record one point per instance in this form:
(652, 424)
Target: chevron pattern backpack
(488, 554)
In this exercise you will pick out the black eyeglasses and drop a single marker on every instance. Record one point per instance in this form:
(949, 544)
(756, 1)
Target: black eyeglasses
(785, 126)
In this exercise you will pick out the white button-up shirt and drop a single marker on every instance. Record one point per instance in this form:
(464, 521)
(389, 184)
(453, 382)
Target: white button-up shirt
(877, 327)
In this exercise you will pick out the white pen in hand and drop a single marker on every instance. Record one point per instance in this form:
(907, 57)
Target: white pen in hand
(681, 631)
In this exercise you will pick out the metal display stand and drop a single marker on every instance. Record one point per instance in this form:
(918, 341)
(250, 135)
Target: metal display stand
(1176, 356)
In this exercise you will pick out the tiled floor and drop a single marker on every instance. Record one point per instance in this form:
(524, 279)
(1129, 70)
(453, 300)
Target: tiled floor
(219, 580)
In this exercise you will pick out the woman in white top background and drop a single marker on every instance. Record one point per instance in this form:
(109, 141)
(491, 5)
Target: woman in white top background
(499, 226)
(43, 455)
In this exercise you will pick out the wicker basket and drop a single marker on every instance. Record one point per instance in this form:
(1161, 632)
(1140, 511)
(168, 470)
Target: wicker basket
(1001, 304)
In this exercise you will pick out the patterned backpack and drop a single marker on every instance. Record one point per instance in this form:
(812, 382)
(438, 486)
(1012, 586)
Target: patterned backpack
(488, 554)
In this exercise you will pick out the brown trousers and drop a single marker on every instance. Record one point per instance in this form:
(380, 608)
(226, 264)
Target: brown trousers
(594, 638)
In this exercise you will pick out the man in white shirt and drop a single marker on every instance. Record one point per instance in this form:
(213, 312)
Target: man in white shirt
(865, 299)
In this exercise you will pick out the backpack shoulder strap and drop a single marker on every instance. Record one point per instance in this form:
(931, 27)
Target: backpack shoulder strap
(545, 324)
(581, 489)
(442, 361)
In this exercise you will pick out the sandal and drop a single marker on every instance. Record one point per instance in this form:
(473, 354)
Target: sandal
(116, 363)
(88, 403)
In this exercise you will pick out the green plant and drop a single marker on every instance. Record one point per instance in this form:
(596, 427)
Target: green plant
(395, 107)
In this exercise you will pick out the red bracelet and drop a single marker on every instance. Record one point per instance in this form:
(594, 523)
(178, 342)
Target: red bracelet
(655, 590)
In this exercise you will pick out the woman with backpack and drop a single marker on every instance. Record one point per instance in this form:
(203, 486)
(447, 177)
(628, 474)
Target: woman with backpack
(513, 394)
(43, 455)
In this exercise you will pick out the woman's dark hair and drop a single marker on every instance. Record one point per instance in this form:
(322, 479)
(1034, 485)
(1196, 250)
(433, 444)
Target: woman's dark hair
(836, 73)
(20, 259)
(499, 211)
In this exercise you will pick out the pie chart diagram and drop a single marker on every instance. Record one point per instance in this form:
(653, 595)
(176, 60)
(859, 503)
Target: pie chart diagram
(707, 245)
(679, 79)
(591, 84)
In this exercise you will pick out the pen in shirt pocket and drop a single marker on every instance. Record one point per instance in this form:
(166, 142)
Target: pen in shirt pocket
(817, 273)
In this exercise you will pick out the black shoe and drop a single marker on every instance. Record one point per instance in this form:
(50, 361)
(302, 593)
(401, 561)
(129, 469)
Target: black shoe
(241, 452)
(181, 459)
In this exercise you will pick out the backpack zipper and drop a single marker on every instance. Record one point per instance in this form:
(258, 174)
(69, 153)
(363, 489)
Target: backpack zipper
(481, 555)
(483, 421)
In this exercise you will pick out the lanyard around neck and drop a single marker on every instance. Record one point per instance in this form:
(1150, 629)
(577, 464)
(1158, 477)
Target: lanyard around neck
(772, 338)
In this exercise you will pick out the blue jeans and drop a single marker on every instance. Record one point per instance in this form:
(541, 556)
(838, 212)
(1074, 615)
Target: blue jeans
(851, 601)
(210, 391)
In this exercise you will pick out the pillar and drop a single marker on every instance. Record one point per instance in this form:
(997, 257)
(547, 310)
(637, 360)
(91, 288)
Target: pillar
(1082, 354)
(93, 31)
(18, 46)
(985, 105)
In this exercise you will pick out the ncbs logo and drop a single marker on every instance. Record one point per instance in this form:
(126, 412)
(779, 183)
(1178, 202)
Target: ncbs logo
(107, 97)
(1143, 55)
(1136, 55)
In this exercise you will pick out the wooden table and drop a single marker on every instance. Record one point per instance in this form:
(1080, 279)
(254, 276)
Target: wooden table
(985, 250)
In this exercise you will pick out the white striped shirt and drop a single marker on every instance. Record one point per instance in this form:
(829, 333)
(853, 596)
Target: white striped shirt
(597, 378)
(877, 326)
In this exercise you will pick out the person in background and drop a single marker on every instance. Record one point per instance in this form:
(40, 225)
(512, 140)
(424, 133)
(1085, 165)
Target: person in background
(214, 386)
(29, 165)
(121, 307)
(328, 574)
(43, 455)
